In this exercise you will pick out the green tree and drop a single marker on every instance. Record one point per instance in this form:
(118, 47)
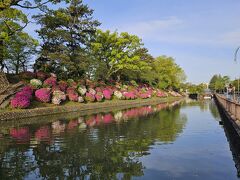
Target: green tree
(117, 53)
(19, 50)
(66, 34)
(218, 83)
(13, 20)
(165, 73)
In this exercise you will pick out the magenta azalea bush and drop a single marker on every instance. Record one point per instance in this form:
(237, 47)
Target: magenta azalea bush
(23, 98)
(43, 95)
(129, 95)
(107, 93)
(20, 102)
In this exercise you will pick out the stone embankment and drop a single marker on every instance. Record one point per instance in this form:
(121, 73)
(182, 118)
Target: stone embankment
(27, 113)
(231, 110)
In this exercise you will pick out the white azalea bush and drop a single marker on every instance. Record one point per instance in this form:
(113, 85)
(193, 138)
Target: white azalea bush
(36, 83)
(118, 94)
(58, 97)
(82, 90)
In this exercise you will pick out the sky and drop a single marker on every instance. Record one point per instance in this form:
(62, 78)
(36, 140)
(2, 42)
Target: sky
(201, 35)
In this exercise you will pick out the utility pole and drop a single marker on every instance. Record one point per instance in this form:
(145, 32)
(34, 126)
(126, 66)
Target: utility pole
(235, 59)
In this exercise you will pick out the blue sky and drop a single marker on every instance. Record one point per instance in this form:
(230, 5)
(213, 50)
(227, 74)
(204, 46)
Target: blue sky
(201, 35)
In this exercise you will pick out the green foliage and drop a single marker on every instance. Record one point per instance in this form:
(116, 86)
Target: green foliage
(116, 53)
(66, 34)
(218, 83)
(164, 73)
(196, 89)
(18, 51)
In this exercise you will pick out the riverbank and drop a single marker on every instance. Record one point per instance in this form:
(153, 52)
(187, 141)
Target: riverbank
(19, 114)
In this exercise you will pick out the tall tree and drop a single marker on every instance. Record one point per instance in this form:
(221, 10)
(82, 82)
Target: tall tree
(66, 34)
(116, 53)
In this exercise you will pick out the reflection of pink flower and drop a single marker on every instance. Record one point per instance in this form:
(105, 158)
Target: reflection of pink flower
(42, 133)
(91, 121)
(107, 118)
(98, 118)
(21, 133)
(72, 124)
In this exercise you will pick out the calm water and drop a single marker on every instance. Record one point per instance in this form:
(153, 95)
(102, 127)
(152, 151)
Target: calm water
(183, 141)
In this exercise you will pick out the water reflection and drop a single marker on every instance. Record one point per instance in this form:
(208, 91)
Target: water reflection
(104, 145)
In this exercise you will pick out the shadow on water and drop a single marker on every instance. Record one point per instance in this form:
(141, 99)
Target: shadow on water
(97, 146)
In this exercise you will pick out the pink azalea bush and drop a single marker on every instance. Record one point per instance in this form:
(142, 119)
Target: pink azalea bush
(50, 82)
(90, 97)
(63, 85)
(129, 95)
(107, 93)
(72, 94)
(99, 96)
(43, 95)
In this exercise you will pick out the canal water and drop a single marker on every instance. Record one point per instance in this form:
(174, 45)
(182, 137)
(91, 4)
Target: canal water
(182, 140)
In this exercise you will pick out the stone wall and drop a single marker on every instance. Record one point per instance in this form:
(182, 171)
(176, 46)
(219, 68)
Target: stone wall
(231, 109)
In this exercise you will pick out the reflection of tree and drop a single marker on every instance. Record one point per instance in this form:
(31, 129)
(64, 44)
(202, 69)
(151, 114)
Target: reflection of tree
(106, 152)
(214, 110)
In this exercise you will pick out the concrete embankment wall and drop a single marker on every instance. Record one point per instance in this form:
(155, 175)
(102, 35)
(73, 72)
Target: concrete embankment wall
(27, 113)
(231, 110)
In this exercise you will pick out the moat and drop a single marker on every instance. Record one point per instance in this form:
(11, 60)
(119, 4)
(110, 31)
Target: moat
(182, 140)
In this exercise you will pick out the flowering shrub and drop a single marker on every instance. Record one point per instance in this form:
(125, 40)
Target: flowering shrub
(20, 102)
(160, 94)
(72, 94)
(92, 91)
(50, 82)
(107, 93)
(43, 95)
(118, 94)
(36, 83)
(82, 90)
(80, 99)
(41, 75)
(90, 97)
(129, 95)
(99, 96)
(58, 97)
(63, 86)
